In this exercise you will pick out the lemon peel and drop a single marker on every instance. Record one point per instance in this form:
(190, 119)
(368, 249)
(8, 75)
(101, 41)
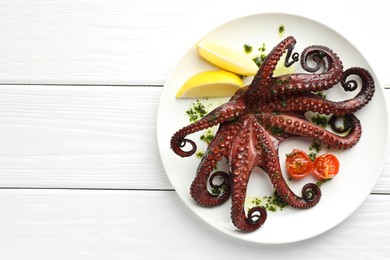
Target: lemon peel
(227, 58)
(216, 83)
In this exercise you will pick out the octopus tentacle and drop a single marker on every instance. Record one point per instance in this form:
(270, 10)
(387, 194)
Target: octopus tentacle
(223, 175)
(265, 72)
(315, 103)
(257, 215)
(294, 57)
(332, 73)
(323, 57)
(217, 149)
(223, 113)
(292, 125)
(346, 126)
(199, 190)
(260, 116)
(261, 81)
(311, 193)
(243, 158)
(243, 222)
(365, 94)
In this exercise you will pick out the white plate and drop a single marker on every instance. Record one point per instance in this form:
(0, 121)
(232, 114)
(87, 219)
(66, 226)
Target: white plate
(360, 166)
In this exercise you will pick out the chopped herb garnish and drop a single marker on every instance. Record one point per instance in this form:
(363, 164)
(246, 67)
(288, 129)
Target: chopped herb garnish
(276, 130)
(200, 109)
(271, 203)
(320, 93)
(321, 54)
(259, 60)
(247, 48)
(219, 190)
(192, 115)
(315, 146)
(214, 117)
(320, 120)
(283, 101)
(312, 156)
(264, 147)
(262, 48)
(199, 154)
(207, 136)
(282, 81)
(281, 29)
(256, 201)
(260, 57)
(272, 90)
(196, 111)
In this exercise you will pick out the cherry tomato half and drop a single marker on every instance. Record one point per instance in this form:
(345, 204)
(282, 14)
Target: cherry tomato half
(326, 166)
(298, 164)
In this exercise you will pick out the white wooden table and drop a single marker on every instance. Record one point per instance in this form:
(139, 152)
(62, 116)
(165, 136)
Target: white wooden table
(80, 173)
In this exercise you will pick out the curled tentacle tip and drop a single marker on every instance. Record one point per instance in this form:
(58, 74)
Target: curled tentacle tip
(294, 59)
(257, 216)
(177, 145)
(346, 125)
(290, 55)
(220, 183)
(311, 193)
(350, 85)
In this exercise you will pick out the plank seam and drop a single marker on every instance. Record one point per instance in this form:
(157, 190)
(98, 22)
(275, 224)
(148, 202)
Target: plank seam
(82, 85)
(92, 189)
(120, 189)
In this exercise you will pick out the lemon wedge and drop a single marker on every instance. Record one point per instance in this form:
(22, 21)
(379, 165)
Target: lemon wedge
(227, 58)
(216, 83)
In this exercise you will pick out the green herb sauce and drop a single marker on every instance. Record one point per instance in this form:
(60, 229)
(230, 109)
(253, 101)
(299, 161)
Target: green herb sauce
(196, 111)
(320, 93)
(219, 190)
(260, 56)
(259, 59)
(312, 156)
(247, 48)
(281, 30)
(262, 48)
(315, 148)
(283, 81)
(271, 203)
(320, 120)
(283, 101)
(207, 136)
(276, 130)
(199, 154)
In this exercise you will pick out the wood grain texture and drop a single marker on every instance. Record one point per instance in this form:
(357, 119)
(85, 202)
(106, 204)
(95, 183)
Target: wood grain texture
(139, 41)
(80, 173)
(86, 137)
(80, 137)
(41, 224)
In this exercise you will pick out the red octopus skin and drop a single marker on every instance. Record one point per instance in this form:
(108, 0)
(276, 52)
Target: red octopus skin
(245, 137)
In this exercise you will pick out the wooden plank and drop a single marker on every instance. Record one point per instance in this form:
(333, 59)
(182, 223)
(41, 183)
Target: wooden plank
(79, 136)
(58, 224)
(86, 137)
(139, 41)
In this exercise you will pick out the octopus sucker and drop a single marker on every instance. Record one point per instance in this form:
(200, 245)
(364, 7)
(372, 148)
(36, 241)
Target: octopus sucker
(258, 117)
